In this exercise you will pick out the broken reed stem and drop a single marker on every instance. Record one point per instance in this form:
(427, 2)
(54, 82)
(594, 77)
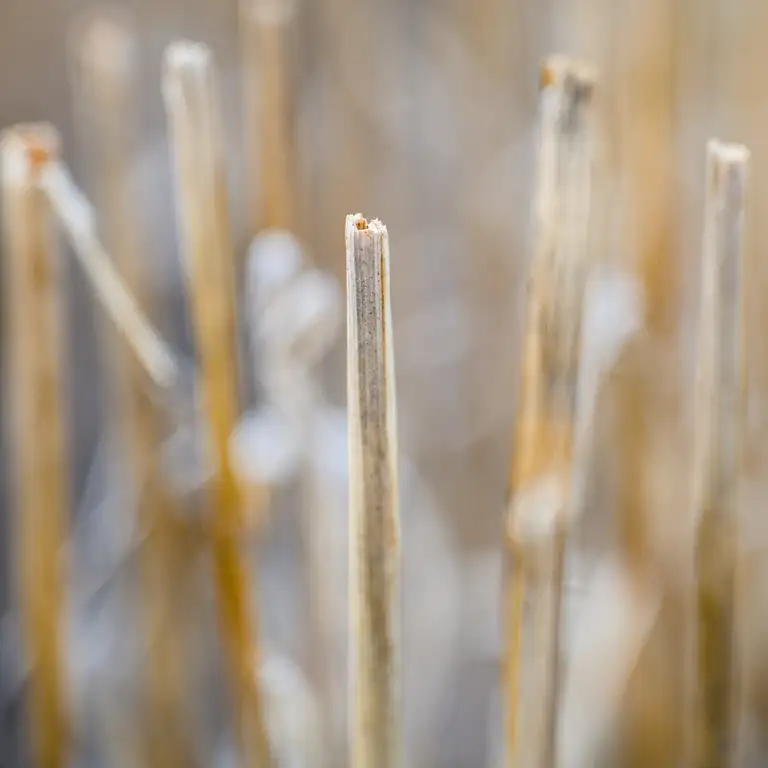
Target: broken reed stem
(196, 139)
(374, 553)
(36, 344)
(717, 470)
(76, 216)
(542, 468)
(265, 29)
(107, 72)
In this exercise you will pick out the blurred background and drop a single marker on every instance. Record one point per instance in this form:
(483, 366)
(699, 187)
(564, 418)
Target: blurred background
(422, 113)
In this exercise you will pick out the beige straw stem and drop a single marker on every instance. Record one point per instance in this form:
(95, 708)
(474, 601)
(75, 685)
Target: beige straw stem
(374, 519)
(542, 464)
(39, 437)
(718, 447)
(107, 71)
(77, 220)
(196, 140)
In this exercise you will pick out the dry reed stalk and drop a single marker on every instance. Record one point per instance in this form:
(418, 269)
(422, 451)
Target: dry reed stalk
(36, 343)
(375, 741)
(196, 139)
(739, 65)
(543, 466)
(107, 73)
(76, 217)
(717, 470)
(266, 26)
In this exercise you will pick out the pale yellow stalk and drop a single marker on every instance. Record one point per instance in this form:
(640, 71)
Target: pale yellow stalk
(718, 449)
(542, 464)
(36, 344)
(374, 547)
(196, 140)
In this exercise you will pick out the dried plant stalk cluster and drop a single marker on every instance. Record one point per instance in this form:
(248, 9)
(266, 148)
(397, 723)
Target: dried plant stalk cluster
(599, 695)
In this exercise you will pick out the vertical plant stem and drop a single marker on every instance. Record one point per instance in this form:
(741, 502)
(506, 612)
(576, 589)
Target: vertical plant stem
(195, 128)
(717, 470)
(76, 218)
(542, 463)
(374, 518)
(42, 484)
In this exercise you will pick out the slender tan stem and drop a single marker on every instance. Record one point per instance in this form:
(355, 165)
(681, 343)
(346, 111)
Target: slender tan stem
(717, 470)
(374, 518)
(107, 74)
(195, 129)
(76, 216)
(543, 462)
(265, 29)
(35, 284)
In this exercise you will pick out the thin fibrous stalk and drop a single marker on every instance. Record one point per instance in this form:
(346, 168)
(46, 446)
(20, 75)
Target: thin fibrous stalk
(34, 288)
(265, 29)
(374, 553)
(542, 465)
(106, 56)
(717, 469)
(196, 140)
(76, 216)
